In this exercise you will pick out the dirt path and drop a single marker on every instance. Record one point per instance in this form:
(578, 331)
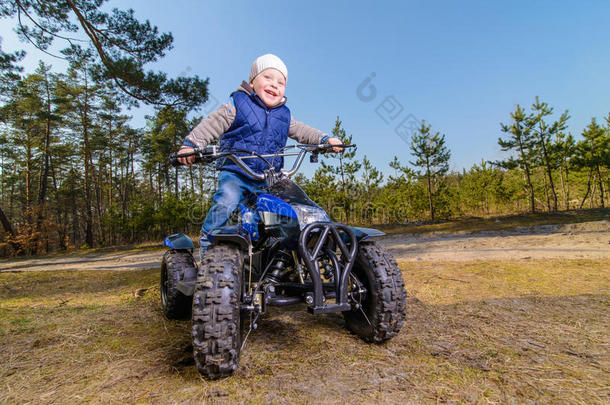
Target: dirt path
(589, 240)
(94, 261)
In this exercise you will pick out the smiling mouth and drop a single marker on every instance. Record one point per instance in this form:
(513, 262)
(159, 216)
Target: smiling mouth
(271, 93)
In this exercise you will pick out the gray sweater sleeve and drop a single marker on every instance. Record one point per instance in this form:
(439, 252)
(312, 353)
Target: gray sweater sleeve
(303, 133)
(212, 127)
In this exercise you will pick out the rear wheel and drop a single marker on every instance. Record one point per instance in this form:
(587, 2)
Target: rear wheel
(216, 311)
(175, 266)
(381, 311)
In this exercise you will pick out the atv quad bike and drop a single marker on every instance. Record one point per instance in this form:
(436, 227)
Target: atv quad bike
(283, 250)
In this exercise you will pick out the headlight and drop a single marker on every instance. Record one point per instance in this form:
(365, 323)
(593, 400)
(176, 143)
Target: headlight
(308, 214)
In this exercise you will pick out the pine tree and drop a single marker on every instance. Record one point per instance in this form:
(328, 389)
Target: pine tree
(166, 131)
(405, 196)
(564, 150)
(432, 156)
(122, 45)
(480, 186)
(345, 172)
(593, 155)
(521, 142)
(544, 133)
(82, 94)
(371, 182)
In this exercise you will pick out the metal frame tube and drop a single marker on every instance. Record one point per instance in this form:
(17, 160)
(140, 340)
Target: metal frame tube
(345, 263)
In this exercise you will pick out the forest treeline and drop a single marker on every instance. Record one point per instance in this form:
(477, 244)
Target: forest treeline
(74, 172)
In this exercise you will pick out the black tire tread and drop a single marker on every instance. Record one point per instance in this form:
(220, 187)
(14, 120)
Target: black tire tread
(177, 305)
(216, 312)
(389, 314)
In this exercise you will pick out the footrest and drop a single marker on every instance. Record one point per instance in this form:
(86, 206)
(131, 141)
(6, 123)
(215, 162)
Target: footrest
(329, 308)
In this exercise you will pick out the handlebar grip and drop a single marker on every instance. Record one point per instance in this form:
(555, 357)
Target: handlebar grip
(173, 160)
(326, 147)
(200, 157)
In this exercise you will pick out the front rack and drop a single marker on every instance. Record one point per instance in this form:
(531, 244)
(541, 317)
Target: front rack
(339, 243)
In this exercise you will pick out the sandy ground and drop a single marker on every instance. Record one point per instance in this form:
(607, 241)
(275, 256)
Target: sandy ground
(588, 240)
(479, 329)
(137, 260)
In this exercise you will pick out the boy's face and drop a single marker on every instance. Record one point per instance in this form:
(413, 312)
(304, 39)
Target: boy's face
(270, 86)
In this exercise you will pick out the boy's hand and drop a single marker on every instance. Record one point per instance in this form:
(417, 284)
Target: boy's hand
(186, 160)
(335, 141)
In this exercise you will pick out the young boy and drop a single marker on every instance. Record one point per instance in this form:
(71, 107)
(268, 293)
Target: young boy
(257, 120)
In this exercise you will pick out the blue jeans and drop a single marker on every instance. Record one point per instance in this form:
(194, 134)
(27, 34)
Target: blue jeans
(233, 190)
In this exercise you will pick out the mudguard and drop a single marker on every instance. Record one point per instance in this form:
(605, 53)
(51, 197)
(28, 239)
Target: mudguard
(232, 234)
(365, 233)
(178, 241)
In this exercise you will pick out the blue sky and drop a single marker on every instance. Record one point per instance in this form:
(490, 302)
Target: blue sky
(460, 66)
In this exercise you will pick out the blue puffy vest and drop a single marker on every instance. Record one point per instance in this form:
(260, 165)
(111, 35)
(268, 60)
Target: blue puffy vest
(257, 129)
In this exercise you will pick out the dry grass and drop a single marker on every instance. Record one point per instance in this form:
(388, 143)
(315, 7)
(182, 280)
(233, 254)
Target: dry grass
(484, 332)
(476, 224)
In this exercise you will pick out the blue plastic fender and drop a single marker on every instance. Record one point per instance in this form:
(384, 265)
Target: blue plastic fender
(269, 203)
(178, 241)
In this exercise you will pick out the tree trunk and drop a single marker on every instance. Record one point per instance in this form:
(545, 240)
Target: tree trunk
(122, 190)
(549, 172)
(44, 171)
(99, 199)
(601, 186)
(11, 199)
(428, 177)
(588, 188)
(76, 233)
(8, 228)
(546, 192)
(28, 177)
(47, 145)
(150, 183)
(87, 180)
(109, 196)
(176, 181)
(531, 191)
(527, 176)
(6, 224)
(60, 209)
(159, 183)
(564, 186)
(486, 203)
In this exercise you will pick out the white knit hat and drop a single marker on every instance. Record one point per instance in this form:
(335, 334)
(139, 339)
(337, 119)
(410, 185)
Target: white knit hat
(267, 61)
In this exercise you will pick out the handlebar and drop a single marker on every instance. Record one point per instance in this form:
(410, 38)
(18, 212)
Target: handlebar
(213, 152)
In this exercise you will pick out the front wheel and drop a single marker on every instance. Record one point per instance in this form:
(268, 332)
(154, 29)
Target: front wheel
(381, 310)
(216, 311)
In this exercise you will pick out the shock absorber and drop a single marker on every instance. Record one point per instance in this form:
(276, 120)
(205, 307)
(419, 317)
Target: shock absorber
(277, 268)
